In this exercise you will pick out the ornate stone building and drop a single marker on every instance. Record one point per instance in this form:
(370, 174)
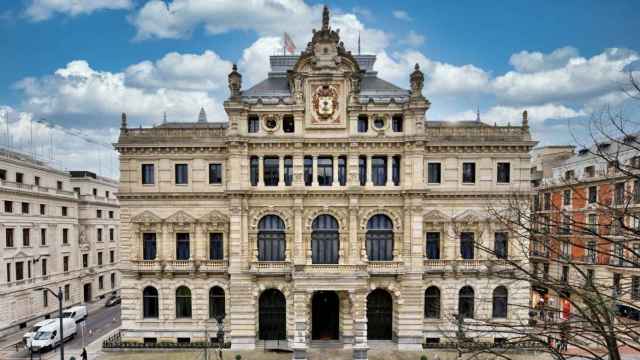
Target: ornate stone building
(327, 207)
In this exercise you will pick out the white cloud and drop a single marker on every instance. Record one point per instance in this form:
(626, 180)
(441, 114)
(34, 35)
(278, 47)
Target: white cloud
(578, 79)
(506, 114)
(39, 10)
(528, 62)
(254, 63)
(413, 39)
(401, 15)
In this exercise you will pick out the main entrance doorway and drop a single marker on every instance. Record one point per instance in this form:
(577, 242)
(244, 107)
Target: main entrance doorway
(325, 310)
(87, 292)
(379, 315)
(273, 317)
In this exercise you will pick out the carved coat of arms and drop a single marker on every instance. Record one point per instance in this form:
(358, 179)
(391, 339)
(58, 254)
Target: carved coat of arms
(325, 101)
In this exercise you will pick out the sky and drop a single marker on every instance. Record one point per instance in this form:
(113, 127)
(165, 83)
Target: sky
(78, 64)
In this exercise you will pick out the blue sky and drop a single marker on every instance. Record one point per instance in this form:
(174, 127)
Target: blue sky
(80, 64)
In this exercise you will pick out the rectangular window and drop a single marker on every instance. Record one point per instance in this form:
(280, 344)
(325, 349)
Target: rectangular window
(29, 269)
(565, 225)
(590, 171)
(111, 214)
(288, 170)
(182, 246)
(99, 214)
(342, 170)
(565, 249)
(65, 264)
(433, 245)
(270, 171)
(85, 260)
(113, 280)
(379, 170)
(64, 211)
(362, 170)
(25, 207)
(308, 170)
(44, 267)
(565, 274)
(148, 174)
(65, 236)
(149, 246)
(288, 124)
(593, 194)
(59, 185)
(395, 170)
(619, 194)
(182, 174)
(617, 289)
(3, 174)
(468, 173)
(591, 252)
(99, 234)
(467, 245)
(76, 190)
(363, 123)
(112, 235)
(253, 170)
(434, 175)
(19, 270)
(215, 173)
(592, 224)
(215, 246)
(8, 238)
(501, 245)
(36, 180)
(106, 194)
(101, 282)
(26, 237)
(635, 287)
(43, 209)
(253, 123)
(325, 171)
(99, 258)
(95, 192)
(8, 272)
(67, 292)
(547, 201)
(19, 178)
(396, 123)
(566, 197)
(590, 277)
(112, 256)
(504, 172)
(45, 298)
(8, 206)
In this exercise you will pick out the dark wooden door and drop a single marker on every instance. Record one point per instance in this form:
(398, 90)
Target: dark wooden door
(325, 307)
(379, 315)
(273, 317)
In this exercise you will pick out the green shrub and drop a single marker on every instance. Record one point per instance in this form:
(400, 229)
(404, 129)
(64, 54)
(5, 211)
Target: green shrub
(423, 357)
(238, 357)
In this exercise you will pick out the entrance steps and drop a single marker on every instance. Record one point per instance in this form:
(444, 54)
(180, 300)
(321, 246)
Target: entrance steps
(326, 344)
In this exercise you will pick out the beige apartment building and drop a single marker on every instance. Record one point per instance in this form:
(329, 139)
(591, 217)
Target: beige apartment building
(326, 210)
(57, 230)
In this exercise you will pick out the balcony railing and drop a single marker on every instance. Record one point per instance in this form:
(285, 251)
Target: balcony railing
(466, 265)
(270, 267)
(332, 268)
(214, 266)
(385, 267)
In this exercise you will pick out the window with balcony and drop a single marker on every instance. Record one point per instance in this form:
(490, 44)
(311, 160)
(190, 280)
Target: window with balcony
(26, 237)
(468, 173)
(215, 246)
(148, 174)
(288, 124)
(363, 123)
(308, 170)
(182, 174)
(379, 170)
(467, 245)
(342, 170)
(271, 169)
(253, 124)
(288, 170)
(434, 171)
(215, 173)
(362, 170)
(253, 170)
(501, 245)
(182, 246)
(433, 245)
(271, 239)
(325, 171)
(504, 173)
(8, 239)
(592, 224)
(592, 194)
(149, 246)
(397, 123)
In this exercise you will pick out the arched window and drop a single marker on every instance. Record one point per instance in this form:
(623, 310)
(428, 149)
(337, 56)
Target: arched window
(271, 239)
(183, 302)
(432, 303)
(272, 315)
(380, 238)
(379, 315)
(466, 302)
(500, 298)
(150, 302)
(324, 240)
(216, 302)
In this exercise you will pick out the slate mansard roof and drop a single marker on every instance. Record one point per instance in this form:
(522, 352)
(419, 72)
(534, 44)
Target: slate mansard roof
(276, 86)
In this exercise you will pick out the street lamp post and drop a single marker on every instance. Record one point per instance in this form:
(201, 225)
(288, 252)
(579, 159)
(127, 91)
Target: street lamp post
(59, 296)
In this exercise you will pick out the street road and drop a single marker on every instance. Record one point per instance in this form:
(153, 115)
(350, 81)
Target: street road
(97, 324)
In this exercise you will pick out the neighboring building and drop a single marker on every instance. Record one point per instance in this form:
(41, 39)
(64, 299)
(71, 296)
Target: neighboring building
(326, 208)
(42, 221)
(582, 201)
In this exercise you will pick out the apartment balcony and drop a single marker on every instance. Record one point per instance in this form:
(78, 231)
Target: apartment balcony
(331, 268)
(586, 259)
(539, 253)
(270, 267)
(181, 266)
(213, 266)
(385, 267)
(466, 265)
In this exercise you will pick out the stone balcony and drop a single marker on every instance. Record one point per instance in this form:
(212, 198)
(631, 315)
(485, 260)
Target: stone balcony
(385, 267)
(270, 267)
(180, 266)
(466, 265)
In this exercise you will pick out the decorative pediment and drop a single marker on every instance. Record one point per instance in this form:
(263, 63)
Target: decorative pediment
(180, 218)
(214, 218)
(146, 217)
(20, 255)
(468, 216)
(435, 216)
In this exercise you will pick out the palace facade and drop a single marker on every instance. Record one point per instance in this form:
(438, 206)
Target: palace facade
(326, 210)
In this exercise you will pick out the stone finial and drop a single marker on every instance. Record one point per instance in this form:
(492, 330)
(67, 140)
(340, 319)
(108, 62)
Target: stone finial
(525, 119)
(202, 116)
(325, 18)
(417, 81)
(123, 123)
(235, 82)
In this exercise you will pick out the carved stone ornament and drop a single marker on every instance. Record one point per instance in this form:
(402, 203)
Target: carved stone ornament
(325, 101)
(417, 81)
(180, 218)
(146, 217)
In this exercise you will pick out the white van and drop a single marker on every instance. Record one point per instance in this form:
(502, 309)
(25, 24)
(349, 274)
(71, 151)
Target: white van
(26, 338)
(48, 336)
(77, 313)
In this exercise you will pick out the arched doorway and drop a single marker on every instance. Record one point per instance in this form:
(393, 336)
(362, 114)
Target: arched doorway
(325, 310)
(272, 317)
(379, 315)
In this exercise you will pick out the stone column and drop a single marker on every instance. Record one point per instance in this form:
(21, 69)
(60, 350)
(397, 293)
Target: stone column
(410, 313)
(334, 162)
(299, 249)
(281, 171)
(369, 171)
(314, 182)
(359, 313)
(260, 171)
(299, 347)
(389, 170)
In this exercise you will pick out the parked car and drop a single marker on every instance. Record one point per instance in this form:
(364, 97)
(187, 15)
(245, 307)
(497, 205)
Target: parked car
(48, 336)
(114, 300)
(77, 313)
(26, 338)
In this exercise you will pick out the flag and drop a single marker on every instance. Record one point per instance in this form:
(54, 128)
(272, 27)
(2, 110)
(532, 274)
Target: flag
(288, 44)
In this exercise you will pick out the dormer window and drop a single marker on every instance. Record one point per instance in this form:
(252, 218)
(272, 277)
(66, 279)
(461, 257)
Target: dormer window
(397, 123)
